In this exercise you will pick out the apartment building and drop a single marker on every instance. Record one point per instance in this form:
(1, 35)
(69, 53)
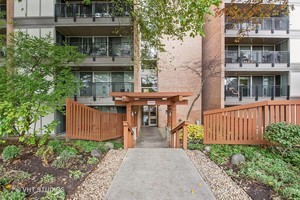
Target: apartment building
(263, 65)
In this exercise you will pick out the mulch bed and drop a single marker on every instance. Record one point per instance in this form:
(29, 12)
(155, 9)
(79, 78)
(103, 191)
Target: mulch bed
(254, 189)
(32, 164)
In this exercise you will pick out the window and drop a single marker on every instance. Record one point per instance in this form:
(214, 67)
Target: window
(149, 83)
(86, 79)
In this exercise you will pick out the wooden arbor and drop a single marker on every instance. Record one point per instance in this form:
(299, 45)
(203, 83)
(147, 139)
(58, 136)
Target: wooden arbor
(133, 100)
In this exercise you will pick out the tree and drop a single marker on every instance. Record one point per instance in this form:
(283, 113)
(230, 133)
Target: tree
(38, 85)
(252, 12)
(204, 71)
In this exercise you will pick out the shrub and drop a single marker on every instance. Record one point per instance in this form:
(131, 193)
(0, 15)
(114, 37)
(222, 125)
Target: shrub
(4, 181)
(88, 146)
(56, 144)
(75, 174)
(284, 135)
(66, 159)
(18, 175)
(12, 195)
(45, 153)
(10, 152)
(195, 133)
(117, 144)
(47, 178)
(71, 150)
(55, 194)
(92, 160)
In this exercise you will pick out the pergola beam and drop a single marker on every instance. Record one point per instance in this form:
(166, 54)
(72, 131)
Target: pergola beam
(157, 102)
(177, 98)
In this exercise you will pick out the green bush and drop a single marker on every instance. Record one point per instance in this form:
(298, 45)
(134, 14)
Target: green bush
(10, 152)
(17, 175)
(284, 135)
(47, 178)
(88, 146)
(45, 153)
(55, 194)
(75, 174)
(117, 144)
(66, 159)
(4, 181)
(195, 133)
(56, 144)
(261, 165)
(92, 160)
(12, 195)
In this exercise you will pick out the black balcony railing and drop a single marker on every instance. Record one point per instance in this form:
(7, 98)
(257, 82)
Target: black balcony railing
(105, 49)
(257, 57)
(94, 10)
(257, 24)
(257, 91)
(3, 11)
(102, 89)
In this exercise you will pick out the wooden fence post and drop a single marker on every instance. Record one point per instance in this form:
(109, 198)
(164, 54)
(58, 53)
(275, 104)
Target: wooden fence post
(184, 136)
(125, 132)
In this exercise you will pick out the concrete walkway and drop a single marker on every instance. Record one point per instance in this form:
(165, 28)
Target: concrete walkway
(161, 173)
(151, 137)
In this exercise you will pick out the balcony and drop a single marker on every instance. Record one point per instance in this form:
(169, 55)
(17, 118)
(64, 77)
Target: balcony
(106, 53)
(269, 25)
(98, 92)
(240, 94)
(262, 60)
(95, 13)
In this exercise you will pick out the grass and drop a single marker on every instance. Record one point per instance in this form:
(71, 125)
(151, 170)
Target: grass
(267, 166)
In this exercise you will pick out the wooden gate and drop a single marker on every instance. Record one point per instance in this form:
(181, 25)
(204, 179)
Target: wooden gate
(246, 124)
(83, 122)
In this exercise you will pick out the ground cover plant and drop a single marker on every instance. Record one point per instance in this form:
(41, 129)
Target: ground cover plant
(52, 171)
(265, 173)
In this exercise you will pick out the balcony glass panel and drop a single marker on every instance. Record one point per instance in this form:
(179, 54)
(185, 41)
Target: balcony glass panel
(271, 23)
(257, 56)
(116, 47)
(96, 10)
(260, 90)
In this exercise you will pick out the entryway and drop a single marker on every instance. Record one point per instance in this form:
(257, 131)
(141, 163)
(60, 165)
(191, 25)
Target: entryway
(152, 137)
(149, 116)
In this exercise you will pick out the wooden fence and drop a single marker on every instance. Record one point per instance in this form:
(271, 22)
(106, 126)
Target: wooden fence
(128, 136)
(175, 135)
(246, 124)
(83, 122)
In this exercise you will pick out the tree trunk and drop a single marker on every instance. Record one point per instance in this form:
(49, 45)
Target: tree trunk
(192, 105)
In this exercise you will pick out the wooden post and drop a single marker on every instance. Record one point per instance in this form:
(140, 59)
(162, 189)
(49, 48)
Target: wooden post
(177, 145)
(173, 121)
(168, 116)
(173, 125)
(128, 113)
(125, 132)
(68, 118)
(184, 136)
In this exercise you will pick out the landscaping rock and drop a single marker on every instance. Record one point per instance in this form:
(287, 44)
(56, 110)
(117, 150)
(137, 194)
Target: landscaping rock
(223, 187)
(207, 149)
(96, 153)
(109, 145)
(237, 159)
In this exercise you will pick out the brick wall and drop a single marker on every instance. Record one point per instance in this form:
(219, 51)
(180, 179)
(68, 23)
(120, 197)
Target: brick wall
(173, 75)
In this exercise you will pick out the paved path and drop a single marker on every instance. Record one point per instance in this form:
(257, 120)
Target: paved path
(161, 173)
(151, 137)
